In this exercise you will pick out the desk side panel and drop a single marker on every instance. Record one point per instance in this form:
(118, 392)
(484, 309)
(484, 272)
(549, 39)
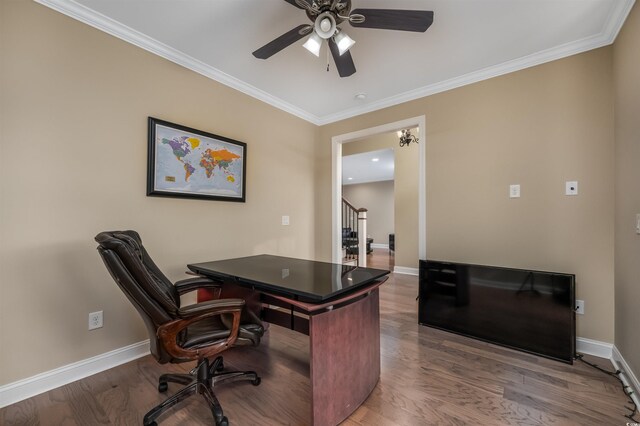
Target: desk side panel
(345, 358)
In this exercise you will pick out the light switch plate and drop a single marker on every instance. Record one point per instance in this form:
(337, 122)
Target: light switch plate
(514, 191)
(571, 187)
(638, 223)
(285, 220)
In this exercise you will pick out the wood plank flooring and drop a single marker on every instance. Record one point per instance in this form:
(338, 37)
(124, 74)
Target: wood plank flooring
(429, 377)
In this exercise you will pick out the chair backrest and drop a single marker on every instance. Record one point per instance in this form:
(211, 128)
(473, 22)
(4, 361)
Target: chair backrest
(153, 295)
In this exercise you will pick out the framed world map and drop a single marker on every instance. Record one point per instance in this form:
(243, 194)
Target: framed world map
(190, 163)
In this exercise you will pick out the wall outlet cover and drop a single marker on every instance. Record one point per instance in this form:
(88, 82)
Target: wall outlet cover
(95, 320)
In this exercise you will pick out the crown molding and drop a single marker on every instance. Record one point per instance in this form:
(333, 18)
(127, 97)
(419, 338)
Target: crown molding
(110, 26)
(616, 19)
(617, 16)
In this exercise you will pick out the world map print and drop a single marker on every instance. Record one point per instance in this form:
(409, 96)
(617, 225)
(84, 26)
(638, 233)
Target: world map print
(190, 163)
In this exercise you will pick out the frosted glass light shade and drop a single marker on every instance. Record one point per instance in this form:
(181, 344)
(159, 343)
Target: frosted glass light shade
(344, 42)
(313, 44)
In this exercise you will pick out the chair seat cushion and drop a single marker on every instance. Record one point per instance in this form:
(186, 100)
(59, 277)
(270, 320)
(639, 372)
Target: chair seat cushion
(211, 330)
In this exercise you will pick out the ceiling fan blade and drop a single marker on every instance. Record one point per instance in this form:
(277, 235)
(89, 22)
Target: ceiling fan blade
(344, 63)
(281, 42)
(293, 2)
(391, 19)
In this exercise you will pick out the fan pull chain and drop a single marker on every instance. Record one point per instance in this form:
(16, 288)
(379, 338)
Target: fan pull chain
(327, 49)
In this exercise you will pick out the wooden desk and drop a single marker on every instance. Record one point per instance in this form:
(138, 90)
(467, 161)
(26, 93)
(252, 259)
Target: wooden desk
(342, 320)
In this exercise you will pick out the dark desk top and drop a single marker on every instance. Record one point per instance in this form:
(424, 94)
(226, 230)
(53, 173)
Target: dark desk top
(304, 280)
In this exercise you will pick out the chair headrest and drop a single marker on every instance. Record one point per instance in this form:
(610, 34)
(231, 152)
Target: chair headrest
(127, 246)
(115, 239)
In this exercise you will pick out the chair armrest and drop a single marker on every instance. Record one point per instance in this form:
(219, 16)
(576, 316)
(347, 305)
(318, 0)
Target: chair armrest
(191, 284)
(168, 332)
(191, 311)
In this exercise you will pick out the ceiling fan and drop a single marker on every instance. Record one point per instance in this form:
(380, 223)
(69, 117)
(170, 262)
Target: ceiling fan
(327, 15)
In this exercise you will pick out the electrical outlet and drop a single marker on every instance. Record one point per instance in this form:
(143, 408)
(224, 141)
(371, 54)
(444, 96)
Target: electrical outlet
(95, 320)
(285, 220)
(580, 307)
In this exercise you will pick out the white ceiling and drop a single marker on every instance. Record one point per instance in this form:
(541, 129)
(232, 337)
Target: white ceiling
(361, 168)
(469, 41)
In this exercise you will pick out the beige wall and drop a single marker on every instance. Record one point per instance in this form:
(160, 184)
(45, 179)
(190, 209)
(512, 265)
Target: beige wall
(377, 198)
(405, 215)
(74, 104)
(626, 68)
(537, 127)
(73, 109)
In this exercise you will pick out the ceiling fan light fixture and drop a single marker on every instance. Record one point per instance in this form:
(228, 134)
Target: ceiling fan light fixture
(325, 25)
(313, 44)
(344, 42)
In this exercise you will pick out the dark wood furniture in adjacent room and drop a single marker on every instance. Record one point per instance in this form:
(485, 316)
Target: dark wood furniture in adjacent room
(350, 241)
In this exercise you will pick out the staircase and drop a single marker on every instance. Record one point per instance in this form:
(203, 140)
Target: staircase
(354, 234)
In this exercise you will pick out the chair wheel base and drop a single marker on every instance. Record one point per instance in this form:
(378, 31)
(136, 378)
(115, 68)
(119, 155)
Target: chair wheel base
(162, 387)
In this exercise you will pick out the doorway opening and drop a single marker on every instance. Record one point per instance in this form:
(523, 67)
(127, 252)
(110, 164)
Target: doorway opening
(336, 183)
(368, 182)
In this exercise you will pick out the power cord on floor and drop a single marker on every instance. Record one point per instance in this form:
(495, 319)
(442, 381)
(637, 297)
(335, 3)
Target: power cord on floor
(626, 389)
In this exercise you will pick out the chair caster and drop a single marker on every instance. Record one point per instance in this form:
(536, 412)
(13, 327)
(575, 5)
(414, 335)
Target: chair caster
(162, 387)
(223, 422)
(256, 381)
(220, 366)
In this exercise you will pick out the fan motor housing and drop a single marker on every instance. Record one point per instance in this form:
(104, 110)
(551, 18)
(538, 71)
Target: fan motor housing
(343, 8)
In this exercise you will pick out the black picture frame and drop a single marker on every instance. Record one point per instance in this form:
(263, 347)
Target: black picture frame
(188, 163)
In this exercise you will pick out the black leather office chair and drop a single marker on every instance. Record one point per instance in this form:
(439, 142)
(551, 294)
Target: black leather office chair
(180, 333)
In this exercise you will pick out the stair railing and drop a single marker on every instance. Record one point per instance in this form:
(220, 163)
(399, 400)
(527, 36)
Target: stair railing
(354, 234)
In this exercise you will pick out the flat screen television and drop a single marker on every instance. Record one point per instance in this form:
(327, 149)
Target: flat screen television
(523, 309)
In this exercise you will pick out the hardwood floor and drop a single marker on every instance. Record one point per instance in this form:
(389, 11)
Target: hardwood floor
(381, 259)
(429, 377)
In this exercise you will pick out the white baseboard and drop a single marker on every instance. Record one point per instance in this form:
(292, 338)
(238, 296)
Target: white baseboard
(609, 351)
(405, 270)
(626, 374)
(594, 347)
(43, 382)
(376, 245)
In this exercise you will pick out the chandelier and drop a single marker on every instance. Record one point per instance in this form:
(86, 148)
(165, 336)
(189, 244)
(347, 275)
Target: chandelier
(406, 137)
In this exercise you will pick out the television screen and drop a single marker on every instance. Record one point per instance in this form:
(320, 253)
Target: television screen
(527, 310)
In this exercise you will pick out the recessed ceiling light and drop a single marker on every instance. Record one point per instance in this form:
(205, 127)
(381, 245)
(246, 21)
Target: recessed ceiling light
(349, 178)
(361, 96)
(375, 159)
